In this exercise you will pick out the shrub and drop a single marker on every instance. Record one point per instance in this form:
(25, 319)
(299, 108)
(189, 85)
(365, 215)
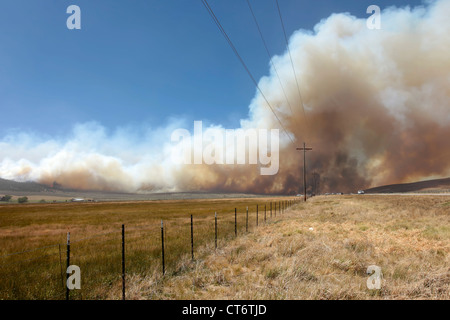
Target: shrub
(22, 199)
(6, 198)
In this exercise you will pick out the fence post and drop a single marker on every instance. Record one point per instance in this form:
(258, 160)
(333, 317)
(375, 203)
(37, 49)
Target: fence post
(246, 222)
(264, 213)
(61, 267)
(215, 229)
(275, 208)
(192, 237)
(235, 222)
(123, 262)
(162, 244)
(68, 264)
(256, 215)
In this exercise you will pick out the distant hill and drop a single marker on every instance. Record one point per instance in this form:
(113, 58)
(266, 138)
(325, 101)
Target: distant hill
(25, 188)
(14, 186)
(439, 185)
(39, 191)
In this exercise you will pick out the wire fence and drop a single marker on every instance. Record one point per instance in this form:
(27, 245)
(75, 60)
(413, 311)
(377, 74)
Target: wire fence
(107, 259)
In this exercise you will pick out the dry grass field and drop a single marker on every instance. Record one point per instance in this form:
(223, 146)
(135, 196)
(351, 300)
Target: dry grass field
(95, 228)
(315, 250)
(407, 236)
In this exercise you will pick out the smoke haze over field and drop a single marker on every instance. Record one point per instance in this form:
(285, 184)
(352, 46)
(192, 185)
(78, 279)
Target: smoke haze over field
(377, 108)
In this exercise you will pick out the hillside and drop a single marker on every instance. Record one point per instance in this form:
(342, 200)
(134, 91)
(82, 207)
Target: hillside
(436, 185)
(36, 192)
(14, 186)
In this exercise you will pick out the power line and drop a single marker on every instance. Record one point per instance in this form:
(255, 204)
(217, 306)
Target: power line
(292, 64)
(270, 58)
(230, 43)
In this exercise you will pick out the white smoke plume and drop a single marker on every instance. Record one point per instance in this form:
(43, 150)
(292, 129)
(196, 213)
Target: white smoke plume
(377, 108)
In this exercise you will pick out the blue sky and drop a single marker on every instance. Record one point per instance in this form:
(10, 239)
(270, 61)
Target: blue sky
(140, 62)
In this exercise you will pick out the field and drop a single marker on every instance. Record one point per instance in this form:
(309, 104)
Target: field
(39, 231)
(320, 249)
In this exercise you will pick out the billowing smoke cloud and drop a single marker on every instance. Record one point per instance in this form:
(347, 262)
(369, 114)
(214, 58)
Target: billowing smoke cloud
(377, 108)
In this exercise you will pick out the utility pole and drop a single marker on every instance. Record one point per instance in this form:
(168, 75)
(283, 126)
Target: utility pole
(304, 167)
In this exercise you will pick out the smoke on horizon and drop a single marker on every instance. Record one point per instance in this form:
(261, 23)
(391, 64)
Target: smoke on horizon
(377, 108)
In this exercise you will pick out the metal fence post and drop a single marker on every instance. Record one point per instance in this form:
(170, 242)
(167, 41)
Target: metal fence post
(162, 245)
(246, 222)
(235, 222)
(192, 237)
(123, 262)
(68, 264)
(215, 229)
(60, 266)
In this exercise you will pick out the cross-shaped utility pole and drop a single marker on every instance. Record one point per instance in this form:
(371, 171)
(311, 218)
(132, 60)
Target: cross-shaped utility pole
(304, 167)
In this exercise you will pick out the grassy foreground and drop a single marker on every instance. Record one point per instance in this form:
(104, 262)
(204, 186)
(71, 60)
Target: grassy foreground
(315, 250)
(321, 250)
